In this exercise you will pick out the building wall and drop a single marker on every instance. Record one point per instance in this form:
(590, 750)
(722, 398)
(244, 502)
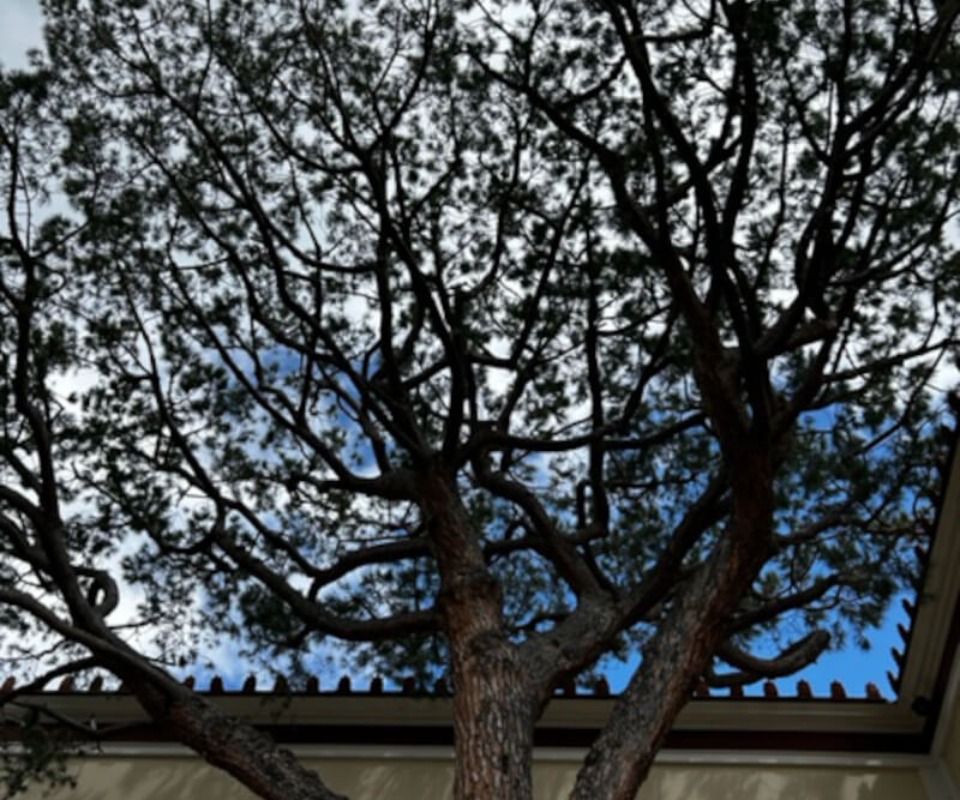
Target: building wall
(951, 751)
(183, 778)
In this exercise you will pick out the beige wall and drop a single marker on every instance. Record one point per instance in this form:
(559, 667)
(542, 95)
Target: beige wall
(166, 778)
(952, 749)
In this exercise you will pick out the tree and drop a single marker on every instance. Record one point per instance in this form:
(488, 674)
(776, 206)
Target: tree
(488, 338)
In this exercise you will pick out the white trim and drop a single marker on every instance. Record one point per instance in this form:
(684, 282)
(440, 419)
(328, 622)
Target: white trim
(938, 781)
(937, 778)
(794, 759)
(544, 754)
(581, 713)
(949, 709)
(941, 592)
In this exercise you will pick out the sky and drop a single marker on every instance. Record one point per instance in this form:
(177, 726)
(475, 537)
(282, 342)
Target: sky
(20, 23)
(20, 30)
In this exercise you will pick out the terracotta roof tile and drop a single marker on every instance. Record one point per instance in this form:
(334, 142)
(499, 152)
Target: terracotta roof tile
(441, 688)
(897, 657)
(894, 682)
(951, 438)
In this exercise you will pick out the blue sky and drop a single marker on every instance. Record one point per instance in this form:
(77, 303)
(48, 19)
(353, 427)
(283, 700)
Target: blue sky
(851, 666)
(20, 29)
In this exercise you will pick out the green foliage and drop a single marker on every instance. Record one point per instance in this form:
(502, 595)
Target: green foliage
(323, 245)
(37, 757)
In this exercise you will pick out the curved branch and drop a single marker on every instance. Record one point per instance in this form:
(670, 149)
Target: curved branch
(751, 668)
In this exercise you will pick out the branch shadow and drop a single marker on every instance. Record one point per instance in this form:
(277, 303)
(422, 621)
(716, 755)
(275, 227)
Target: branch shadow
(113, 778)
(717, 782)
(368, 779)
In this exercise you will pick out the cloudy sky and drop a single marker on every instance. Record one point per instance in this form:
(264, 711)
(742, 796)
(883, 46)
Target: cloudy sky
(20, 30)
(20, 23)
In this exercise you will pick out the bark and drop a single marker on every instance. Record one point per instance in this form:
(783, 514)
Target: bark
(683, 647)
(493, 704)
(493, 725)
(254, 759)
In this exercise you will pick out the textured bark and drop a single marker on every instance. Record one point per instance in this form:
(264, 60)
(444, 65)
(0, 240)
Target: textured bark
(493, 725)
(493, 705)
(259, 763)
(682, 648)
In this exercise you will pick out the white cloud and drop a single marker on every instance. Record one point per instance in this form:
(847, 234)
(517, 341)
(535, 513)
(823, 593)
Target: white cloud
(21, 28)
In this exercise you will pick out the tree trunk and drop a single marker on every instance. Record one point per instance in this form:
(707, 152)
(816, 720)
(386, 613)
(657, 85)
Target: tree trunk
(684, 644)
(493, 726)
(620, 759)
(493, 703)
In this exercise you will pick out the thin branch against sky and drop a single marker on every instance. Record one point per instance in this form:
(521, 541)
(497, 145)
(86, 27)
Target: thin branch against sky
(20, 31)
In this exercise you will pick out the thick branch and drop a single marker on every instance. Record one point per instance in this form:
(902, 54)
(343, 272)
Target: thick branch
(798, 655)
